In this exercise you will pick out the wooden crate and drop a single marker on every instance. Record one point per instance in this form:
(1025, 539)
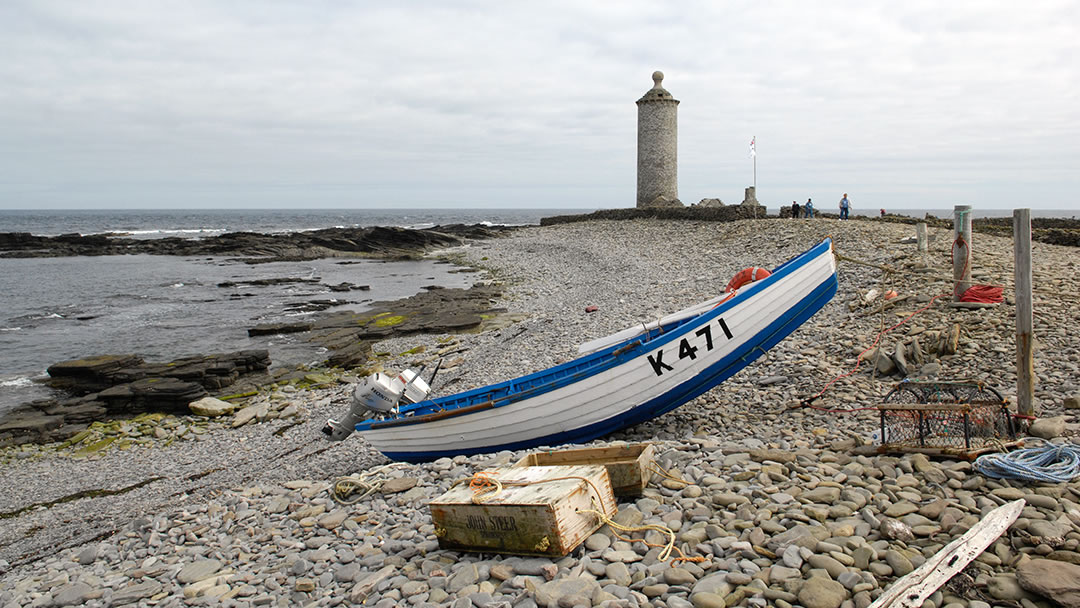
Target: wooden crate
(540, 518)
(627, 465)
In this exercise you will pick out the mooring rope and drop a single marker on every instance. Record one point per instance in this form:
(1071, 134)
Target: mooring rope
(1052, 463)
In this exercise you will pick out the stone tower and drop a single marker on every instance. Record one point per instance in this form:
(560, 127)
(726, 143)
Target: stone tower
(657, 147)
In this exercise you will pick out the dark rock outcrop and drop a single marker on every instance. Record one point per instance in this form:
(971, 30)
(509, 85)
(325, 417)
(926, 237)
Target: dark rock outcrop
(95, 374)
(114, 386)
(348, 335)
(382, 242)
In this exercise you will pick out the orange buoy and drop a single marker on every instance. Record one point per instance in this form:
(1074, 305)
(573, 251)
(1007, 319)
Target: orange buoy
(746, 275)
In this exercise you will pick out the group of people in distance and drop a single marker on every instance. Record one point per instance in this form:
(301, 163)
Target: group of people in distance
(807, 209)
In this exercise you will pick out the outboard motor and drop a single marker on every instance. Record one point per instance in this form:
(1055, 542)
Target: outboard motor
(376, 395)
(413, 387)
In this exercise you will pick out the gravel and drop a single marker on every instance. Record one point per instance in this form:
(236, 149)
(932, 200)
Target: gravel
(780, 505)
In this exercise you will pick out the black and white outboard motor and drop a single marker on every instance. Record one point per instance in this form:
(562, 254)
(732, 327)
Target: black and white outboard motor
(378, 395)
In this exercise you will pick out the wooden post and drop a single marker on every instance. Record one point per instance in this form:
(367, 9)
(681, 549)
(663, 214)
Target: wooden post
(961, 250)
(920, 234)
(1025, 356)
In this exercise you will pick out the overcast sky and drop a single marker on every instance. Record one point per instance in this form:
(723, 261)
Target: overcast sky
(913, 104)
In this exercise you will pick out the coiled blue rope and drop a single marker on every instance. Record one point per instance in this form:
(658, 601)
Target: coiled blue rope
(1051, 463)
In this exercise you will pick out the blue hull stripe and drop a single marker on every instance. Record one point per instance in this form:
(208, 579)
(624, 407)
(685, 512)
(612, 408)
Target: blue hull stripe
(700, 384)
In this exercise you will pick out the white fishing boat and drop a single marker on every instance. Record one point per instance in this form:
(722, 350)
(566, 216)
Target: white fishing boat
(629, 377)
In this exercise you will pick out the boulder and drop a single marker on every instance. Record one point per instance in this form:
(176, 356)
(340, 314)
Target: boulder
(1048, 428)
(211, 407)
(710, 202)
(549, 594)
(89, 374)
(151, 394)
(820, 592)
(885, 365)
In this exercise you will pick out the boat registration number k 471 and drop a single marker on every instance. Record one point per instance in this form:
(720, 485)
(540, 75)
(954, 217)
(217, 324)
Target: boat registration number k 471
(685, 349)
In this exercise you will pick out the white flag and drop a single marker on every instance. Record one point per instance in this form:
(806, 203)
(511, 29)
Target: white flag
(753, 150)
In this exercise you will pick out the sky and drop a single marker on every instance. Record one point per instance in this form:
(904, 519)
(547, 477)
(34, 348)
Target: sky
(475, 104)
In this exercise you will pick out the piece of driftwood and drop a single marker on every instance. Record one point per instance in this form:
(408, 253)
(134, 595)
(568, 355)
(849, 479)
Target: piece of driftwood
(537, 511)
(912, 590)
(886, 305)
(628, 466)
(945, 452)
(972, 305)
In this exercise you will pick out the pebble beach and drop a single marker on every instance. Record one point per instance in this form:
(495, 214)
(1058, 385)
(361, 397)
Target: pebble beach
(781, 505)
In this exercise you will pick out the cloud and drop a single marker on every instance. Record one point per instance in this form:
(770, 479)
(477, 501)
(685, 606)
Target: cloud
(918, 104)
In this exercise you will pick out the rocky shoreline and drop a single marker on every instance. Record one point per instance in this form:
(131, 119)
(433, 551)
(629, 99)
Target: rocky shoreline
(111, 387)
(241, 511)
(104, 387)
(377, 241)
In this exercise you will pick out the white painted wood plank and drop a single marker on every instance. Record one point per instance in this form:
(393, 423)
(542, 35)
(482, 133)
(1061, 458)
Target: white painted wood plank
(912, 590)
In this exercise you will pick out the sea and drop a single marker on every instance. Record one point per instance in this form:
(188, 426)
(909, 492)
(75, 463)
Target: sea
(166, 307)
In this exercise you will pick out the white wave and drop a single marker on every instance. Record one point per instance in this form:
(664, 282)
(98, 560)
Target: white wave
(17, 382)
(175, 231)
(10, 328)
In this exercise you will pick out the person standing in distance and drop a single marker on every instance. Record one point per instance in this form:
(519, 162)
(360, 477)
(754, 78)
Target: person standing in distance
(794, 210)
(844, 207)
(809, 206)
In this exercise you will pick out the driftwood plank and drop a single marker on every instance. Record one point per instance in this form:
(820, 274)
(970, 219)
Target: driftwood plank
(912, 590)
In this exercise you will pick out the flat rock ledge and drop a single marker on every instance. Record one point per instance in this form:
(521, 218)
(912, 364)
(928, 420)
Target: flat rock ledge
(114, 386)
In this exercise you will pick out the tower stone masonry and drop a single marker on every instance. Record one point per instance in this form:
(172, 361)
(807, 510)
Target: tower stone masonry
(657, 147)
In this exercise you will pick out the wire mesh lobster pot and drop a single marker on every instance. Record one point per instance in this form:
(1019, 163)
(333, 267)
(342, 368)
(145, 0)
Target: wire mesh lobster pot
(947, 418)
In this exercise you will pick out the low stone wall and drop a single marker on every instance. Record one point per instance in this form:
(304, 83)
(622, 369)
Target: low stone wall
(729, 213)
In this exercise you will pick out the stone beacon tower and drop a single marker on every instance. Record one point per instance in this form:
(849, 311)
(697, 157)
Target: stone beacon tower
(657, 148)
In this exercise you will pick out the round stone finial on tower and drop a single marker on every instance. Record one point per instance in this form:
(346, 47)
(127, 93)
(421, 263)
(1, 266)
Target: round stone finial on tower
(657, 78)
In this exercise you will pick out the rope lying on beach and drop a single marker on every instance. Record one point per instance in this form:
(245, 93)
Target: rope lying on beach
(486, 485)
(354, 488)
(1049, 463)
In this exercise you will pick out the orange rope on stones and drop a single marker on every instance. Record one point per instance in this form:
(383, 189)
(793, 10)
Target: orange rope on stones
(807, 402)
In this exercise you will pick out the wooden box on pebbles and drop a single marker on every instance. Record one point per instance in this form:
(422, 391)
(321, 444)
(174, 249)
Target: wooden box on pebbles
(536, 511)
(628, 466)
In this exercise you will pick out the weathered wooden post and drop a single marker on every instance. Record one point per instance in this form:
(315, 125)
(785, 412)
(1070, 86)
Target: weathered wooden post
(961, 250)
(1025, 355)
(920, 235)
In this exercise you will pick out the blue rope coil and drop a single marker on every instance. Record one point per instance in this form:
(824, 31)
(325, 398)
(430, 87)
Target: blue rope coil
(1049, 463)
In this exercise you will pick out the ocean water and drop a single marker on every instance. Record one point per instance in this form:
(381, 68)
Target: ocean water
(165, 307)
(196, 223)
